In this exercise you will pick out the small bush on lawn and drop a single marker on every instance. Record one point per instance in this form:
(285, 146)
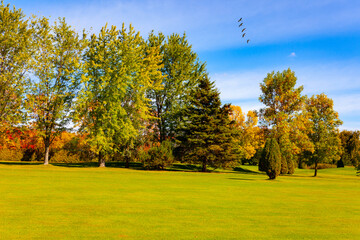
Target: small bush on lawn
(158, 157)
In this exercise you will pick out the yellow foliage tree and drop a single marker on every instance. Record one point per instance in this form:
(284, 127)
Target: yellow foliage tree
(251, 136)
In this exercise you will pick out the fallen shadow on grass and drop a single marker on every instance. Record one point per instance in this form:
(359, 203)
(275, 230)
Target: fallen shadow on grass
(242, 179)
(184, 168)
(133, 165)
(247, 171)
(177, 167)
(21, 163)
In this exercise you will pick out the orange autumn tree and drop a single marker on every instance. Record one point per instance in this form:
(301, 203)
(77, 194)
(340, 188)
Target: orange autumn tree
(19, 144)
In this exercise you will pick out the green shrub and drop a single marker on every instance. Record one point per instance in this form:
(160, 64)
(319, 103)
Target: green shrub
(323, 166)
(303, 165)
(158, 157)
(65, 157)
(271, 158)
(11, 154)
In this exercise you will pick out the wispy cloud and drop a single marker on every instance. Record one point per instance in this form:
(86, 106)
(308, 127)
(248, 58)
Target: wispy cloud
(340, 81)
(293, 54)
(211, 24)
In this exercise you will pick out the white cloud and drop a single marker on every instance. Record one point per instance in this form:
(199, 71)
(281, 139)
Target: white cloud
(330, 78)
(293, 54)
(238, 86)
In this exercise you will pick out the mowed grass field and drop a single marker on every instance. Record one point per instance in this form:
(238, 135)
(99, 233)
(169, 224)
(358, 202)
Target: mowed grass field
(59, 202)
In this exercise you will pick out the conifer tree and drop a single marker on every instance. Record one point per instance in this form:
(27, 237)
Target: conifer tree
(206, 134)
(271, 158)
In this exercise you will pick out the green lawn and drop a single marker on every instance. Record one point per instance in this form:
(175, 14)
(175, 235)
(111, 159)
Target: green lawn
(59, 202)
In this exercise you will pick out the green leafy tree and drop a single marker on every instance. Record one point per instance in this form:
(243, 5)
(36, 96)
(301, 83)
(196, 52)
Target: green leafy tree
(270, 160)
(354, 148)
(350, 142)
(206, 135)
(16, 47)
(284, 115)
(56, 64)
(344, 136)
(112, 106)
(180, 71)
(324, 132)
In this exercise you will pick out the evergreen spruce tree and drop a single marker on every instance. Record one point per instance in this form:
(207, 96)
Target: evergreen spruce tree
(271, 158)
(284, 166)
(206, 134)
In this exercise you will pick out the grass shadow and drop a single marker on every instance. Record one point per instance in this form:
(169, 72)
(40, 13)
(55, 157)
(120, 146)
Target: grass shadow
(242, 179)
(247, 171)
(132, 165)
(184, 168)
(177, 167)
(21, 163)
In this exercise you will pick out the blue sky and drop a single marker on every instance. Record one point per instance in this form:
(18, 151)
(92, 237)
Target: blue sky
(318, 39)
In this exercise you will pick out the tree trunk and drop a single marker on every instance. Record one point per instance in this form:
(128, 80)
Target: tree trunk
(47, 150)
(127, 162)
(315, 169)
(204, 166)
(162, 130)
(101, 160)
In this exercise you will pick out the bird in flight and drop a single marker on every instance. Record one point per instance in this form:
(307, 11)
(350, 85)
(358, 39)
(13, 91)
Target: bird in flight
(243, 30)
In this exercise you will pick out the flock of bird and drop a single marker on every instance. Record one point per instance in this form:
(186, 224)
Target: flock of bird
(243, 30)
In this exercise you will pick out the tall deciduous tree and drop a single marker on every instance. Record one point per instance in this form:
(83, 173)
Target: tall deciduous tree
(16, 47)
(206, 135)
(324, 134)
(56, 66)
(283, 115)
(112, 106)
(181, 70)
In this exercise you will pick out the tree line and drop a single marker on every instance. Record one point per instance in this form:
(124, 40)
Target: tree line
(115, 95)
